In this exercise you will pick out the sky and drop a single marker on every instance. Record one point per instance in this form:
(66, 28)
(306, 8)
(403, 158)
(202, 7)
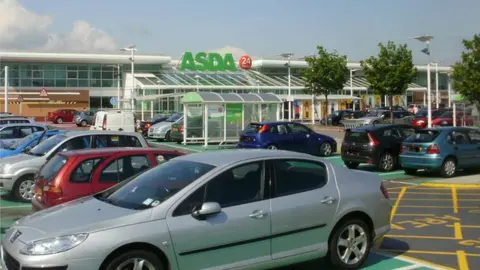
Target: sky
(259, 28)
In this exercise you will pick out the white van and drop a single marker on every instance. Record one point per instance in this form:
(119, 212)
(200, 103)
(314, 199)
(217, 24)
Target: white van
(114, 120)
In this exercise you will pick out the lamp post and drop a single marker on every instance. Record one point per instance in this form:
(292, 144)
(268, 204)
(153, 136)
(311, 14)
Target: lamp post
(437, 93)
(197, 77)
(352, 72)
(5, 70)
(117, 66)
(258, 86)
(288, 56)
(132, 49)
(426, 39)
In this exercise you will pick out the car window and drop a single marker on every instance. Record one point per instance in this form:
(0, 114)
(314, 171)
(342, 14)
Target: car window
(36, 129)
(129, 141)
(474, 136)
(52, 167)
(423, 136)
(123, 168)
(83, 172)
(163, 158)
(7, 133)
(24, 131)
(295, 176)
(102, 141)
(296, 128)
(240, 185)
(459, 137)
(391, 132)
(407, 131)
(76, 143)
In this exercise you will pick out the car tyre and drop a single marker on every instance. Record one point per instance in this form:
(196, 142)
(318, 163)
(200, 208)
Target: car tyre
(130, 259)
(375, 122)
(24, 188)
(449, 168)
(410, 171)
(387, 162)
(351, 164)
(59, 120)
(83, 123)
(326, 149)
(167, 136)
(351, 234)
(271, 147)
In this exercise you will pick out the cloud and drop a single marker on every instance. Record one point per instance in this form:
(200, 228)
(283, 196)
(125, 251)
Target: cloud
(21, 29)
(236, 52)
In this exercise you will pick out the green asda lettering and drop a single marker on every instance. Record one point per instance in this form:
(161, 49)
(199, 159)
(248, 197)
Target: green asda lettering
(207, 62)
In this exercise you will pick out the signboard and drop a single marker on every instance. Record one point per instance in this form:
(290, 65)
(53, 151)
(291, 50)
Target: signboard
(113, 101)
(234, 113)
(20, 99)
(245, 62)
(203, 61)
(43, 93)
(396, 100)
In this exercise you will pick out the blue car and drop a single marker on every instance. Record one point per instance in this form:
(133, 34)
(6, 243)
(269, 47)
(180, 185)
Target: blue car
(286, 136)
(28, 142)
(444, 149)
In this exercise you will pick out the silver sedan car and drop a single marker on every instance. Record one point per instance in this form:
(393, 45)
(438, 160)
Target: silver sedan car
(217, 210)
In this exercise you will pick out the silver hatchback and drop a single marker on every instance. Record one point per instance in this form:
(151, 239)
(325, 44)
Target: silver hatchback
(218, 210)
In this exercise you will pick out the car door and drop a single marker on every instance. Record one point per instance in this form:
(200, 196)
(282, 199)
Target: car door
(474, 135)
(300, 189)
(8, 135)
(300, 137)
(237, 236)
(80, 182)
(465, 151)
(281, 136)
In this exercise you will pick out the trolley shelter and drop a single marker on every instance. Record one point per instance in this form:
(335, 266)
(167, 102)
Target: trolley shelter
(459, 102)
(220, 117)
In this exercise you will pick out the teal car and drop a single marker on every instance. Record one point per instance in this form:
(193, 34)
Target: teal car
(444, 149)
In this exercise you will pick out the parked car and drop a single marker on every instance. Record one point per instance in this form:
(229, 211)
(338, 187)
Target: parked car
(28, 142)
(162, 130)
(421, 117)
(378, 117)
(62, 115)
(17, 172)
(11, 133)
(75, 174)
(414, 108)
(374, 144)
(445, 149)
(286, 136)
(234, 207)
(114, 120)
(397, 108)
(145, 125)
(15, 120)
(84, 118)
(446, 119)
(335, 118)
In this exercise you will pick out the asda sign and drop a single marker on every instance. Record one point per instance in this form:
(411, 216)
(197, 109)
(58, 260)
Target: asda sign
(203, 61)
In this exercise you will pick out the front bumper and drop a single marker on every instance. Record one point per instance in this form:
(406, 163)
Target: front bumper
(7, 181)
(157, 134)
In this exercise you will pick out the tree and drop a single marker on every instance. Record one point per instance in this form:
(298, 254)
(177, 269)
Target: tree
(390, 72)
(466, 73)
(327, 73)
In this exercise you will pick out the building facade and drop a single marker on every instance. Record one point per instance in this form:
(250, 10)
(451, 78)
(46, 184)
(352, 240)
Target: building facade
(91, 81)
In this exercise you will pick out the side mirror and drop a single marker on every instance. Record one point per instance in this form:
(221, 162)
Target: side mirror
(207, 209)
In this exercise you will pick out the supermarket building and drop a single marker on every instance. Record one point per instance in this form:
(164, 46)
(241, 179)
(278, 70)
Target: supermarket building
(90, 81)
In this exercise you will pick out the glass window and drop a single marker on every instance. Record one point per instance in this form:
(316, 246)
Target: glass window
(107, 141)
(36, 129)
(407, 131)
(459, 137)
(23, 141)
(83, 74)
(295, 176)
(107, 83)
(107, 74)
(72, 83)
(60, 83)
(25, 131)
(72, 74)
(297, 128)
(129, 141)
(163, 158)
(123, 168)
(240, 185)
(423, 136)
(52, 167)
(83, 172)
(77, 143)
(82, 83)
(7, 133)
(474, 136)
(391, 132)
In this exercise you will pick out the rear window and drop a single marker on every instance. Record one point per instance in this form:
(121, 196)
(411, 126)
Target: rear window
(421, 114)
(423, 136)
(52, 167)
(253, 128)
(356, 136)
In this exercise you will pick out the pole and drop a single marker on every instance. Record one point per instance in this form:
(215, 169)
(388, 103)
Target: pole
(289, 92)
(133, 78)
(6, 88)
(449, 92)
(437, 94)
(351, 87)
(198, 87)
(118, 86)
(429, 96)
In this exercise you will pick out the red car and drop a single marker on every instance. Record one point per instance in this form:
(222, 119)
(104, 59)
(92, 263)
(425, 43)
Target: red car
(421, 120)
(60, 116)
(74, 174)
(446, 119)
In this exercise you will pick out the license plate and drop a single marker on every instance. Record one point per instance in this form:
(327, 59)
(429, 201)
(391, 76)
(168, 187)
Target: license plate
(174, 129)
(139, 131)
(415, 149)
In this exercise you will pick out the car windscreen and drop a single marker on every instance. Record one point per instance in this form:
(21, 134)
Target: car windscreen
(23, 141)
(154, 186)
(423, 136)
(52, 168)
(174, 117)
(446, 115)
(356, 136)
(42, 148)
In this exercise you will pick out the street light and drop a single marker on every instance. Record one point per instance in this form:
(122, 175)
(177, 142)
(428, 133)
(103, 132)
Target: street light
(437, 93)
(426, 39)
(288, 56)
(132, 49)
(197, 77)
(258, 86)
(352, 71)
(6, 87)
(449, 89)
(117, 66)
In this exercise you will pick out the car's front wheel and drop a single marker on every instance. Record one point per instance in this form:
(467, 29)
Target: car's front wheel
(83, 123)
(351, 164)
(350, 245)
(59, 120)
(326, 149)
(136, 259)
(387, 162)
(449, 168)
(24, 189)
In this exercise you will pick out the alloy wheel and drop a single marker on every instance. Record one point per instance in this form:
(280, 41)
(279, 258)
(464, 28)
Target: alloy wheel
(136, 264)
(272, 147)
(450, 167)
(327, 149)
(387, 162)
(352, 244)
(26, 189)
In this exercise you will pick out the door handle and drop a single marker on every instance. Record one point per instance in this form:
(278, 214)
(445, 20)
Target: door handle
(258, 214)
(328, 200)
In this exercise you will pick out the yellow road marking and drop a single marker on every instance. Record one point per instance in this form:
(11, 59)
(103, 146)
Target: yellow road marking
(464, 226)
(416, 215)
(455, 200)
(462, 260)
(420, 237)
(458, 231)
(397, 203)
(431, 206)
(428, 252)
(396, 227)
(461, 200)
(438, 193)
(450, 185)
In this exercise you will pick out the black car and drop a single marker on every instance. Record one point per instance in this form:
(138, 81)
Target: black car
(335, 118)
(375, 144)
(145, 125)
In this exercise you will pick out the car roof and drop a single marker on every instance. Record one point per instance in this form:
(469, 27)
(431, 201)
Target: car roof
(76, 133)
(23, 124)
(451, 128)
(274, 122)
(226, 157)
(377, 127)
(113, 150)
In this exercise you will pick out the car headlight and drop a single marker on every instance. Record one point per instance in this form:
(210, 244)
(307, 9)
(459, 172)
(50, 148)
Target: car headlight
(54, 245)
(4, 167)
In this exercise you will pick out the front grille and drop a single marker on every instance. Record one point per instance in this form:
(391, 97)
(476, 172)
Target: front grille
(10, 262)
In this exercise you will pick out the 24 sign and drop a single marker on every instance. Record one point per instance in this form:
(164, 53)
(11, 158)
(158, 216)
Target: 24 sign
(203, 61)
